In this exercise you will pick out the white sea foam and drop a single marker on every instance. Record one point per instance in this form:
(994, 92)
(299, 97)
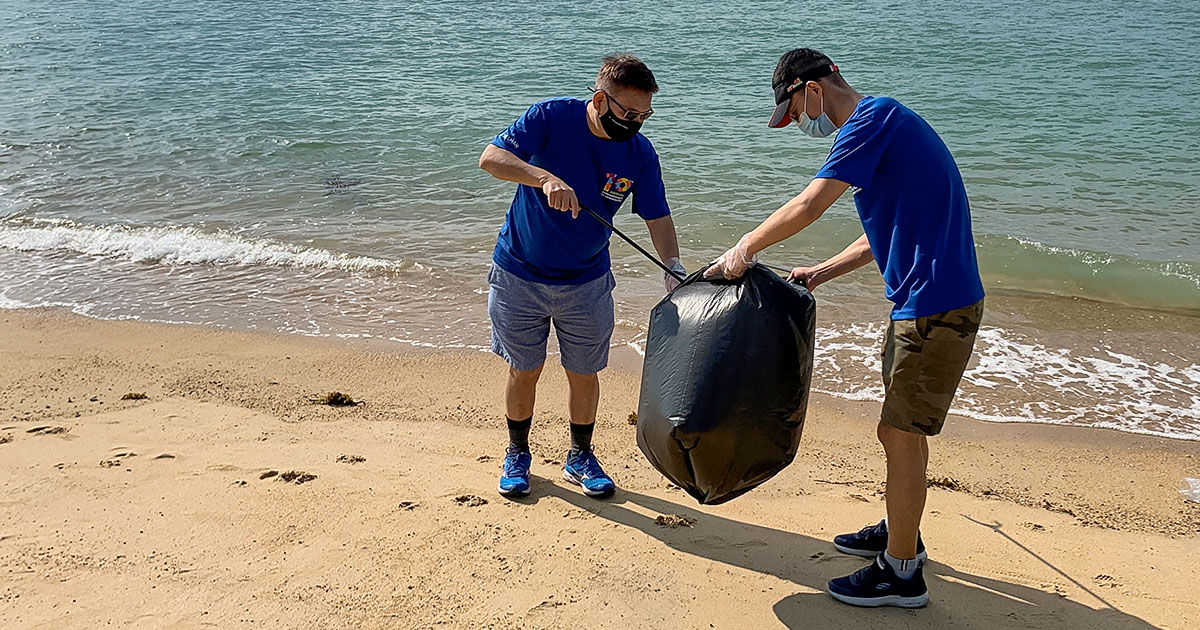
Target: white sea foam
(176, 246)
(1015, 379)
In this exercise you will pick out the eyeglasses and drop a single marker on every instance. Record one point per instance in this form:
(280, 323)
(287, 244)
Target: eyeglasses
(630, 114)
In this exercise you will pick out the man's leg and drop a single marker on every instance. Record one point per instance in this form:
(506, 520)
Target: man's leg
(907, 460)
(521, 392)
(923, 361)
(519, 397)
(581, 467)
(584, 323)
(520, 315)
(583, 398)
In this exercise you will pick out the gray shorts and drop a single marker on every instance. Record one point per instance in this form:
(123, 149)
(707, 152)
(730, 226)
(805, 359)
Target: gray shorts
(522, 311)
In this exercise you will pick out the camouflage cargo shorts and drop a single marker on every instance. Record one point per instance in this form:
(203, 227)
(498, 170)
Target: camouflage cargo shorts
(923, 362)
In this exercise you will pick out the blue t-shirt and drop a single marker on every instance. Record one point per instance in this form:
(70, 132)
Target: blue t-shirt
(541, 244)
(913, 207)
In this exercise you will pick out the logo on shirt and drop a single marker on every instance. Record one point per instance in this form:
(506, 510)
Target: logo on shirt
(616, 188)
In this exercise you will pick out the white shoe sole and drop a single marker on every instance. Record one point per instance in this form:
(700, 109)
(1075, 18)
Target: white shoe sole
(512, 494)
(921, 557)
(591, 493)
(889, 600)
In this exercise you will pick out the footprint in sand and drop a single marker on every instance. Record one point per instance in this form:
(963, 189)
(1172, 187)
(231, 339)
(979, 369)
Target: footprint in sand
(409, 505)
(1106, 580)
(351, 459)
(6, 438)
(47, 430)
(821, 556)
(115, 458)
(297, 476)
(470, 500)
(674, 521)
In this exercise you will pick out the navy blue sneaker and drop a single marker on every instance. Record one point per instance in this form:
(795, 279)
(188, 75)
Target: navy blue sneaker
(514, 478)
(871, 541)
(878, 585)
(584, 471)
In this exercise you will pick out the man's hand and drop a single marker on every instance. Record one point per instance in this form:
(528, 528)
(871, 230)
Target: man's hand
(561, 196)
(670, 282)
(808, 276)
(734, 262)
(854, 256)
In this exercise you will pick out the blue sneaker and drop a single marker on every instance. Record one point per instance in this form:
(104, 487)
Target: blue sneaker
(871, 541)
(514, 480)
(878, 585)
(584, 471)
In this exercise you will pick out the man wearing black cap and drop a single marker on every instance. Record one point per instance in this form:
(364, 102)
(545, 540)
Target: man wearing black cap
(917, 228)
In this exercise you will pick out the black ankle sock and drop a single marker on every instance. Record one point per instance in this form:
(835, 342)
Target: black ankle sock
(581, 437)
(518, 433)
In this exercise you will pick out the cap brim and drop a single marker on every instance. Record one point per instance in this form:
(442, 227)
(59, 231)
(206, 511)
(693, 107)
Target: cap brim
(779, 117)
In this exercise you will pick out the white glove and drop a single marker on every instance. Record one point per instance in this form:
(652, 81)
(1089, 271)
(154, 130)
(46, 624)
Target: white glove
(734, 262)
(670, 282)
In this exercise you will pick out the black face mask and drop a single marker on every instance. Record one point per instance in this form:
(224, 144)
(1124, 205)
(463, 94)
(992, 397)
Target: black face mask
(618, 129)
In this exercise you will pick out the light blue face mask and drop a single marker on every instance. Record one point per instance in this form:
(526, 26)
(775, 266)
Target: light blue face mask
(819, 128)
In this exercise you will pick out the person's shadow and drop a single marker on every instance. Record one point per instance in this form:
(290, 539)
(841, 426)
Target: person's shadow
(959, 600)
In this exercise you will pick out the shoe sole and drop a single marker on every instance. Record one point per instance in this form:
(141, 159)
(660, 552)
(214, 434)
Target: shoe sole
(591, 493)
(512, 494)
(863, 553)
(919, 601)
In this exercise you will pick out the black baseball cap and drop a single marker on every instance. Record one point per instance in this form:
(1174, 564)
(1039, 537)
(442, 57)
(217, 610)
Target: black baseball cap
(783, 92)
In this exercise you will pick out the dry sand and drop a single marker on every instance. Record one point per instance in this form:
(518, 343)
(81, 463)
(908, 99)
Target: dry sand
(157, 513)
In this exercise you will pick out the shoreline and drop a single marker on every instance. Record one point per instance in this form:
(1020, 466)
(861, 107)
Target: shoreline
(155, 510)
(1113, 369)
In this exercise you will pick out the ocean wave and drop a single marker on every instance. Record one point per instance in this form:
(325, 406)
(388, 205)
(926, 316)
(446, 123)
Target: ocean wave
(1028, 265)
(176, 245)
(1015, 379)
(1098, 261)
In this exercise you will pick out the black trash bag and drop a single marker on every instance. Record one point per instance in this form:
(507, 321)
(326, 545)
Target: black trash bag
(725, 382)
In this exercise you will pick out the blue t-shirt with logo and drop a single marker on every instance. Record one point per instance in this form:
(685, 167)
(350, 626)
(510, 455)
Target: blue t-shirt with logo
(913, 207)
(541, 244)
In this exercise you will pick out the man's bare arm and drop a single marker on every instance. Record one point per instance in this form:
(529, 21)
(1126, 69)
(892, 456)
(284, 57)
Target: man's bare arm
(503, 164)
(662, 234)
(854, 256)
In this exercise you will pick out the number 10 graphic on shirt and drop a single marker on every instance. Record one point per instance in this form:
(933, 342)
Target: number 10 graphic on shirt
(616, 188)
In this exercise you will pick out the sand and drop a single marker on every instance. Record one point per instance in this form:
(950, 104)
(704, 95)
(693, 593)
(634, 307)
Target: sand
(163, 512)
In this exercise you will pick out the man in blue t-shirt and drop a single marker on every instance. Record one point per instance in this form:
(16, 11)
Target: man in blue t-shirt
(917, 229)
(551, 266)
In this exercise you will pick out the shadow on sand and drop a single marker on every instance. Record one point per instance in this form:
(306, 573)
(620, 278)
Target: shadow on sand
(959, 600)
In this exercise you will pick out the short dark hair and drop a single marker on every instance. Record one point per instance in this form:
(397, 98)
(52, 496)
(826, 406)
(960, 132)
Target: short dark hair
(625, 70)
(797, 61)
